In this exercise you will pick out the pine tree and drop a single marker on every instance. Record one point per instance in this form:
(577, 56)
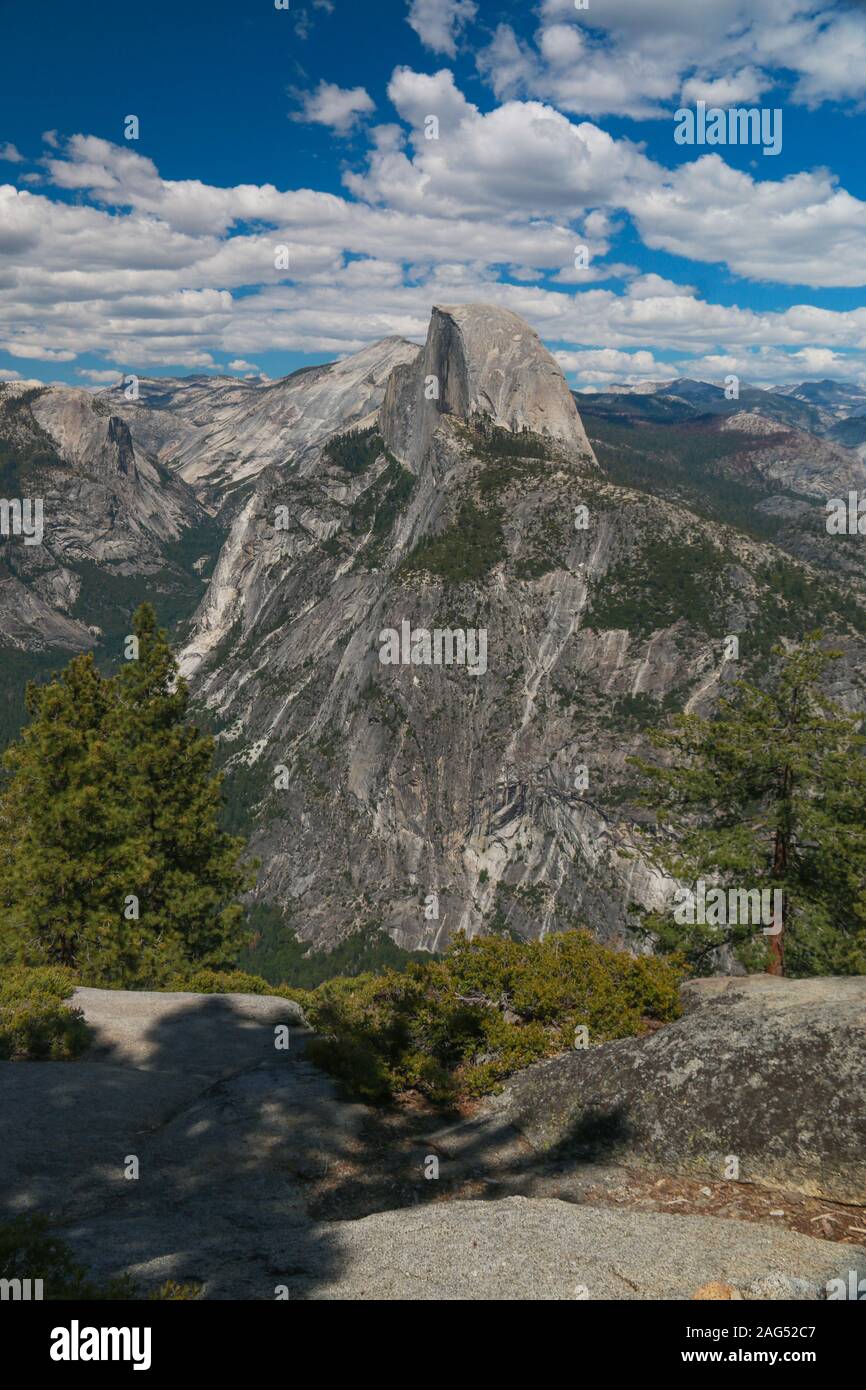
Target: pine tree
(769, 794)
(112, 857)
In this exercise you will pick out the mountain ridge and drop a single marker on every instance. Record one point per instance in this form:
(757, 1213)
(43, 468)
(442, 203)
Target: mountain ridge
(434, 789)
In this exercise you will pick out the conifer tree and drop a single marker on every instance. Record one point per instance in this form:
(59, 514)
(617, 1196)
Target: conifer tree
(768, 794)
(112, 857)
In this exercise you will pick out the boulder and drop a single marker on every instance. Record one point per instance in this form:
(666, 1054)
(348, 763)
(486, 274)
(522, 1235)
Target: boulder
(762, 1080)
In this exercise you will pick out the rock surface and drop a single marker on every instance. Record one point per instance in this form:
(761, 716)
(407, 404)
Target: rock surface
(220, 434)
(768, 1071)
(229, 1133)
(109, 512)
(520, 1248)
(480, 362)
(66, 1127)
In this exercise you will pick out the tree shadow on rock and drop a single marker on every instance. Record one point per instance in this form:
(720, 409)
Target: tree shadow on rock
(177, 1149)
(485, 1158)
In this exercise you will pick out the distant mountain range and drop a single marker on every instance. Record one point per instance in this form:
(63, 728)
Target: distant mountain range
(832, 409)
(282, 527)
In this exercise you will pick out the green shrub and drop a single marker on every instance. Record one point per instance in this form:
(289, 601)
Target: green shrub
(220, 982)
(35, 1022)
(458, 1026)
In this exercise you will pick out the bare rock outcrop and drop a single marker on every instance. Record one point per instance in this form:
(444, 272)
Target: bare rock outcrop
(761, 1081)
(480, 363)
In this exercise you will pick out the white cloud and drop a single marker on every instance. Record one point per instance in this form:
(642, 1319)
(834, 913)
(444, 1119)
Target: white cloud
(438, 23)
(734, 89)
(11, 154)
(19, 380)
(601, 366)
(142, 270)
(766, 367)
(521, 158)
(657, 287)
(337, 107)
(99, 376)
(802, 230)
(633, 57)
(507, 186)
(16, 348)
(239, 365)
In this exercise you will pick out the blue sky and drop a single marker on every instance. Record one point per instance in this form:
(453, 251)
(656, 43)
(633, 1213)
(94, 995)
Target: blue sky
(261, 127)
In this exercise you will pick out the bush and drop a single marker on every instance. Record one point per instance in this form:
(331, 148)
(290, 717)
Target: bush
(220, 982)
(458, 1026)
(232, 982)
(35, 1023)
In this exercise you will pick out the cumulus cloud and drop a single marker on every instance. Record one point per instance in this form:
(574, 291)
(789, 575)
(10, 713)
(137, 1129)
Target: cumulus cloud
(10, 154)
(17, 347)
(100, 376)
(803, 229)
(438, 23)
(340, 108)
(144, 270)
(522, 156)
(765, 367)
(600, 367)
(741, 88)
(631, 58)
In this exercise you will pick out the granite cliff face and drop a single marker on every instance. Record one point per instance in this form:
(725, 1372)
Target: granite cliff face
(421, 796)
(109, 513)
(137, 495)
(219, 434)
(480, 363)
